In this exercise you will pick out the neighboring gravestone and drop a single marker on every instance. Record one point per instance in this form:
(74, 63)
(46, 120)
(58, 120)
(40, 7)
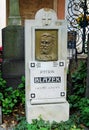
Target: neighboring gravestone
(13, 54)
(46, 67)
(13, 65)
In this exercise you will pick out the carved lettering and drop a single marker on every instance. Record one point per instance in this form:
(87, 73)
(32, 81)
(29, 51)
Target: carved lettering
(47, 79)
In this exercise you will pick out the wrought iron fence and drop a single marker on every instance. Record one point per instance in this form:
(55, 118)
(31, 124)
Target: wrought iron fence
(76, 9)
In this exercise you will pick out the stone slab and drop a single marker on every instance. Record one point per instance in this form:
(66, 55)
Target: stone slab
(13, 65)
(47, 81)
(13, 42)
(52, 112)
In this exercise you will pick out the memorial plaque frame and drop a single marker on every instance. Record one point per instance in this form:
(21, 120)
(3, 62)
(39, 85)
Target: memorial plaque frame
(46, 39)
(47, 84)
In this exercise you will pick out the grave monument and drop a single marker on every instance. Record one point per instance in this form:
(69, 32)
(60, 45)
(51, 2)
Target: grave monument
(46, 67)
(13, 65)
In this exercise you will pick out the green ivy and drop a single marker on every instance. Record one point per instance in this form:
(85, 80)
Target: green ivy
(84, 111)
(78, 102)
(79, 80)
(41, 124)
(10, 97)
(22, 125)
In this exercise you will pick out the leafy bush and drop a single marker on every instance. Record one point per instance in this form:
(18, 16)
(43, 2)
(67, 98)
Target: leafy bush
(79, 85)
(22, 125)
(84, 111)
(79, 80)
(40, 124)
(10, 97)
(78, 101)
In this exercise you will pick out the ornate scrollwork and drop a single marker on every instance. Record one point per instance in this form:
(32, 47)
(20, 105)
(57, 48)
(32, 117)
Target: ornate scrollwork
(75, 9)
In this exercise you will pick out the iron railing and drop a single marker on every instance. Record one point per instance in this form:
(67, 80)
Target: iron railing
(75, 9)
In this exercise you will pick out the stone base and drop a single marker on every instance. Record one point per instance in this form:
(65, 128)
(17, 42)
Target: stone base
(52, 112)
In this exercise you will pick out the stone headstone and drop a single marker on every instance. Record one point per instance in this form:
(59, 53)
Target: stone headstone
(46, 67)
(13, 42)
(13, 65)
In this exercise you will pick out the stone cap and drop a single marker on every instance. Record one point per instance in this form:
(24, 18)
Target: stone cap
(46, 15)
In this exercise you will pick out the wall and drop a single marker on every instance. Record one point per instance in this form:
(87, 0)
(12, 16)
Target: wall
(61, 9)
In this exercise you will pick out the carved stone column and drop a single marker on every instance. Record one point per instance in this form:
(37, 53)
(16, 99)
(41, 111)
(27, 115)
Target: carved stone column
(14, 14)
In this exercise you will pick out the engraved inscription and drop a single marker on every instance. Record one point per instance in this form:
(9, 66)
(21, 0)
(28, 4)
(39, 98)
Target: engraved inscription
(47, 79)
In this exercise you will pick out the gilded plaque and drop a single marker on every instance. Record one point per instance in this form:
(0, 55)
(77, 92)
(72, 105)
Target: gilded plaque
(46, 44)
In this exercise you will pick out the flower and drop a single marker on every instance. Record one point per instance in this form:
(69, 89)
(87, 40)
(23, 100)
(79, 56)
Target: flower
(0, 48)
(81, 21)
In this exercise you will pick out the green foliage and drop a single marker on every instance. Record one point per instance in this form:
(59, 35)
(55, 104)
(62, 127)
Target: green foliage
(79, 80)
(10, 97)
(84, 111)
(79, 85)
(77, 100)
(22, 125)
(40, 124)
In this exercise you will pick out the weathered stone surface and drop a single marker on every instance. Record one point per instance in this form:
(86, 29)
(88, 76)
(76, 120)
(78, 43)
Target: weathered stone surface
(14, 14)
(13, 65)
(45, 83)
(52, 112)
(13, 42)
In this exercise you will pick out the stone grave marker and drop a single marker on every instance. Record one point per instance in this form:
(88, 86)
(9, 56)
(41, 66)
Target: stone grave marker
(46, 67)
(13, 65)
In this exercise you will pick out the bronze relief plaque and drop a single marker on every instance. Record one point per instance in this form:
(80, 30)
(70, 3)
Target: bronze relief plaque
(46, 44)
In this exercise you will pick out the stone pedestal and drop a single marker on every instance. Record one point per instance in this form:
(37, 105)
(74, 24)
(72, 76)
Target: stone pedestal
(49, 112)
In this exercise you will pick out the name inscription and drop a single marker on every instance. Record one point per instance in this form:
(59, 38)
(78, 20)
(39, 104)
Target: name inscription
(47, 79)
